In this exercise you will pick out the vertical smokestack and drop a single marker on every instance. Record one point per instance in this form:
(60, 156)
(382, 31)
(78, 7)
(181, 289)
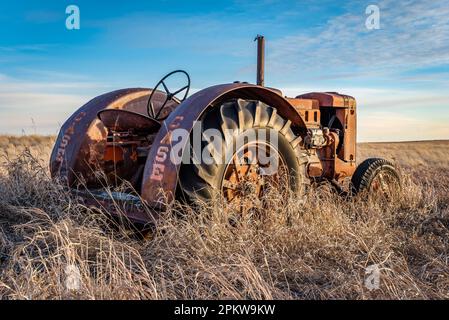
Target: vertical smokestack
(260, 60)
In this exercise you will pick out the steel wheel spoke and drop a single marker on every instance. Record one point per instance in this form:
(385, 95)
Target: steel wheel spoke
(229, 185)
(237, 169)
(244, 182)
(165, 88)
(180, 90)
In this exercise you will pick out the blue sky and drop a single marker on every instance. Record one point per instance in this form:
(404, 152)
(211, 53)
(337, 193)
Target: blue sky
(399, 73)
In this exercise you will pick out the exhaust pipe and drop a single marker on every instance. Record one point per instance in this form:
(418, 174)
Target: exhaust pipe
(260, 59)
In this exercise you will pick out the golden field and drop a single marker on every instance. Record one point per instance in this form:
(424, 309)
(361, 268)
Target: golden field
(316, 250)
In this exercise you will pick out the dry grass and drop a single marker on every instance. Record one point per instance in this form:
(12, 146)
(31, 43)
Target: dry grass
(39, 146)
(316, 250)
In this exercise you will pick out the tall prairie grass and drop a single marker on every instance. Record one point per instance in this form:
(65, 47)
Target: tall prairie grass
(319, 249)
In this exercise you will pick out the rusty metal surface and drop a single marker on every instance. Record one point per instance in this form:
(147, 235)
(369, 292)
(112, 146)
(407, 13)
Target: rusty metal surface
(345, 111)
(327, 155)
(128, 208)
(304, 104)
(124, 120)
(245, 176)
(161, 174)
(81, 142)
(330, 99)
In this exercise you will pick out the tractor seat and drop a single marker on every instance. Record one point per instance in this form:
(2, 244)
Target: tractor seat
(123, 120)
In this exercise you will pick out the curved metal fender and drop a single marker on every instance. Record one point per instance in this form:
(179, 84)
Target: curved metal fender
(161, 174)
(81, 141)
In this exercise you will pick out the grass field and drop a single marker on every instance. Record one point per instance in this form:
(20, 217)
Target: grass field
(316, 250)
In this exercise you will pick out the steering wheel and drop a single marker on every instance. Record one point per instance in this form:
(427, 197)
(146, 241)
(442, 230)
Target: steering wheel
(169, 95)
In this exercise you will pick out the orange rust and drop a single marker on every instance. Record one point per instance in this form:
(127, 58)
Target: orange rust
(304, 104)
(112, 153)
(308, 109)
(314, 170)
(330, 99)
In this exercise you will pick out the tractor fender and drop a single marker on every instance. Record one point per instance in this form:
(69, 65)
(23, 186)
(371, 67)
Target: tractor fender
(79, 147)
(160, 176)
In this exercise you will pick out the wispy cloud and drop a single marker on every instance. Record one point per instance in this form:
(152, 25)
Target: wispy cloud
(32, 112)
(413, 33)
(395, 126)
(55, 85)
(29, 106)
(54, 75)
(38, 47)
(16, 54)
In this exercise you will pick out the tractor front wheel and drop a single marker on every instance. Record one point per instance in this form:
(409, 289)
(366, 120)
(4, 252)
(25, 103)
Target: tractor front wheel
(376, 177)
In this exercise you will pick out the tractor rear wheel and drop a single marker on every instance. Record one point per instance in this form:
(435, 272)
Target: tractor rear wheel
(258, 149)
(376, 177)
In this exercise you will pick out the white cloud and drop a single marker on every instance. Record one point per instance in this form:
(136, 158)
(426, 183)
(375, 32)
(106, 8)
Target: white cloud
(56, 84)
(19, 110)
(413, 34)
(40, 106)
(394, 126)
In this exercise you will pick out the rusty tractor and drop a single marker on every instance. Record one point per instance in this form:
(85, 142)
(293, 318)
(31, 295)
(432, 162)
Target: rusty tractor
(146, 138)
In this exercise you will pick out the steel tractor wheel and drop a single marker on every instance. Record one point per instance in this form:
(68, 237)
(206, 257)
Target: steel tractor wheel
(376, 178)
(258, 150)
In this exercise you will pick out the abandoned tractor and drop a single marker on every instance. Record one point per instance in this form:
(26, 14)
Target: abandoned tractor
(231, 139)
